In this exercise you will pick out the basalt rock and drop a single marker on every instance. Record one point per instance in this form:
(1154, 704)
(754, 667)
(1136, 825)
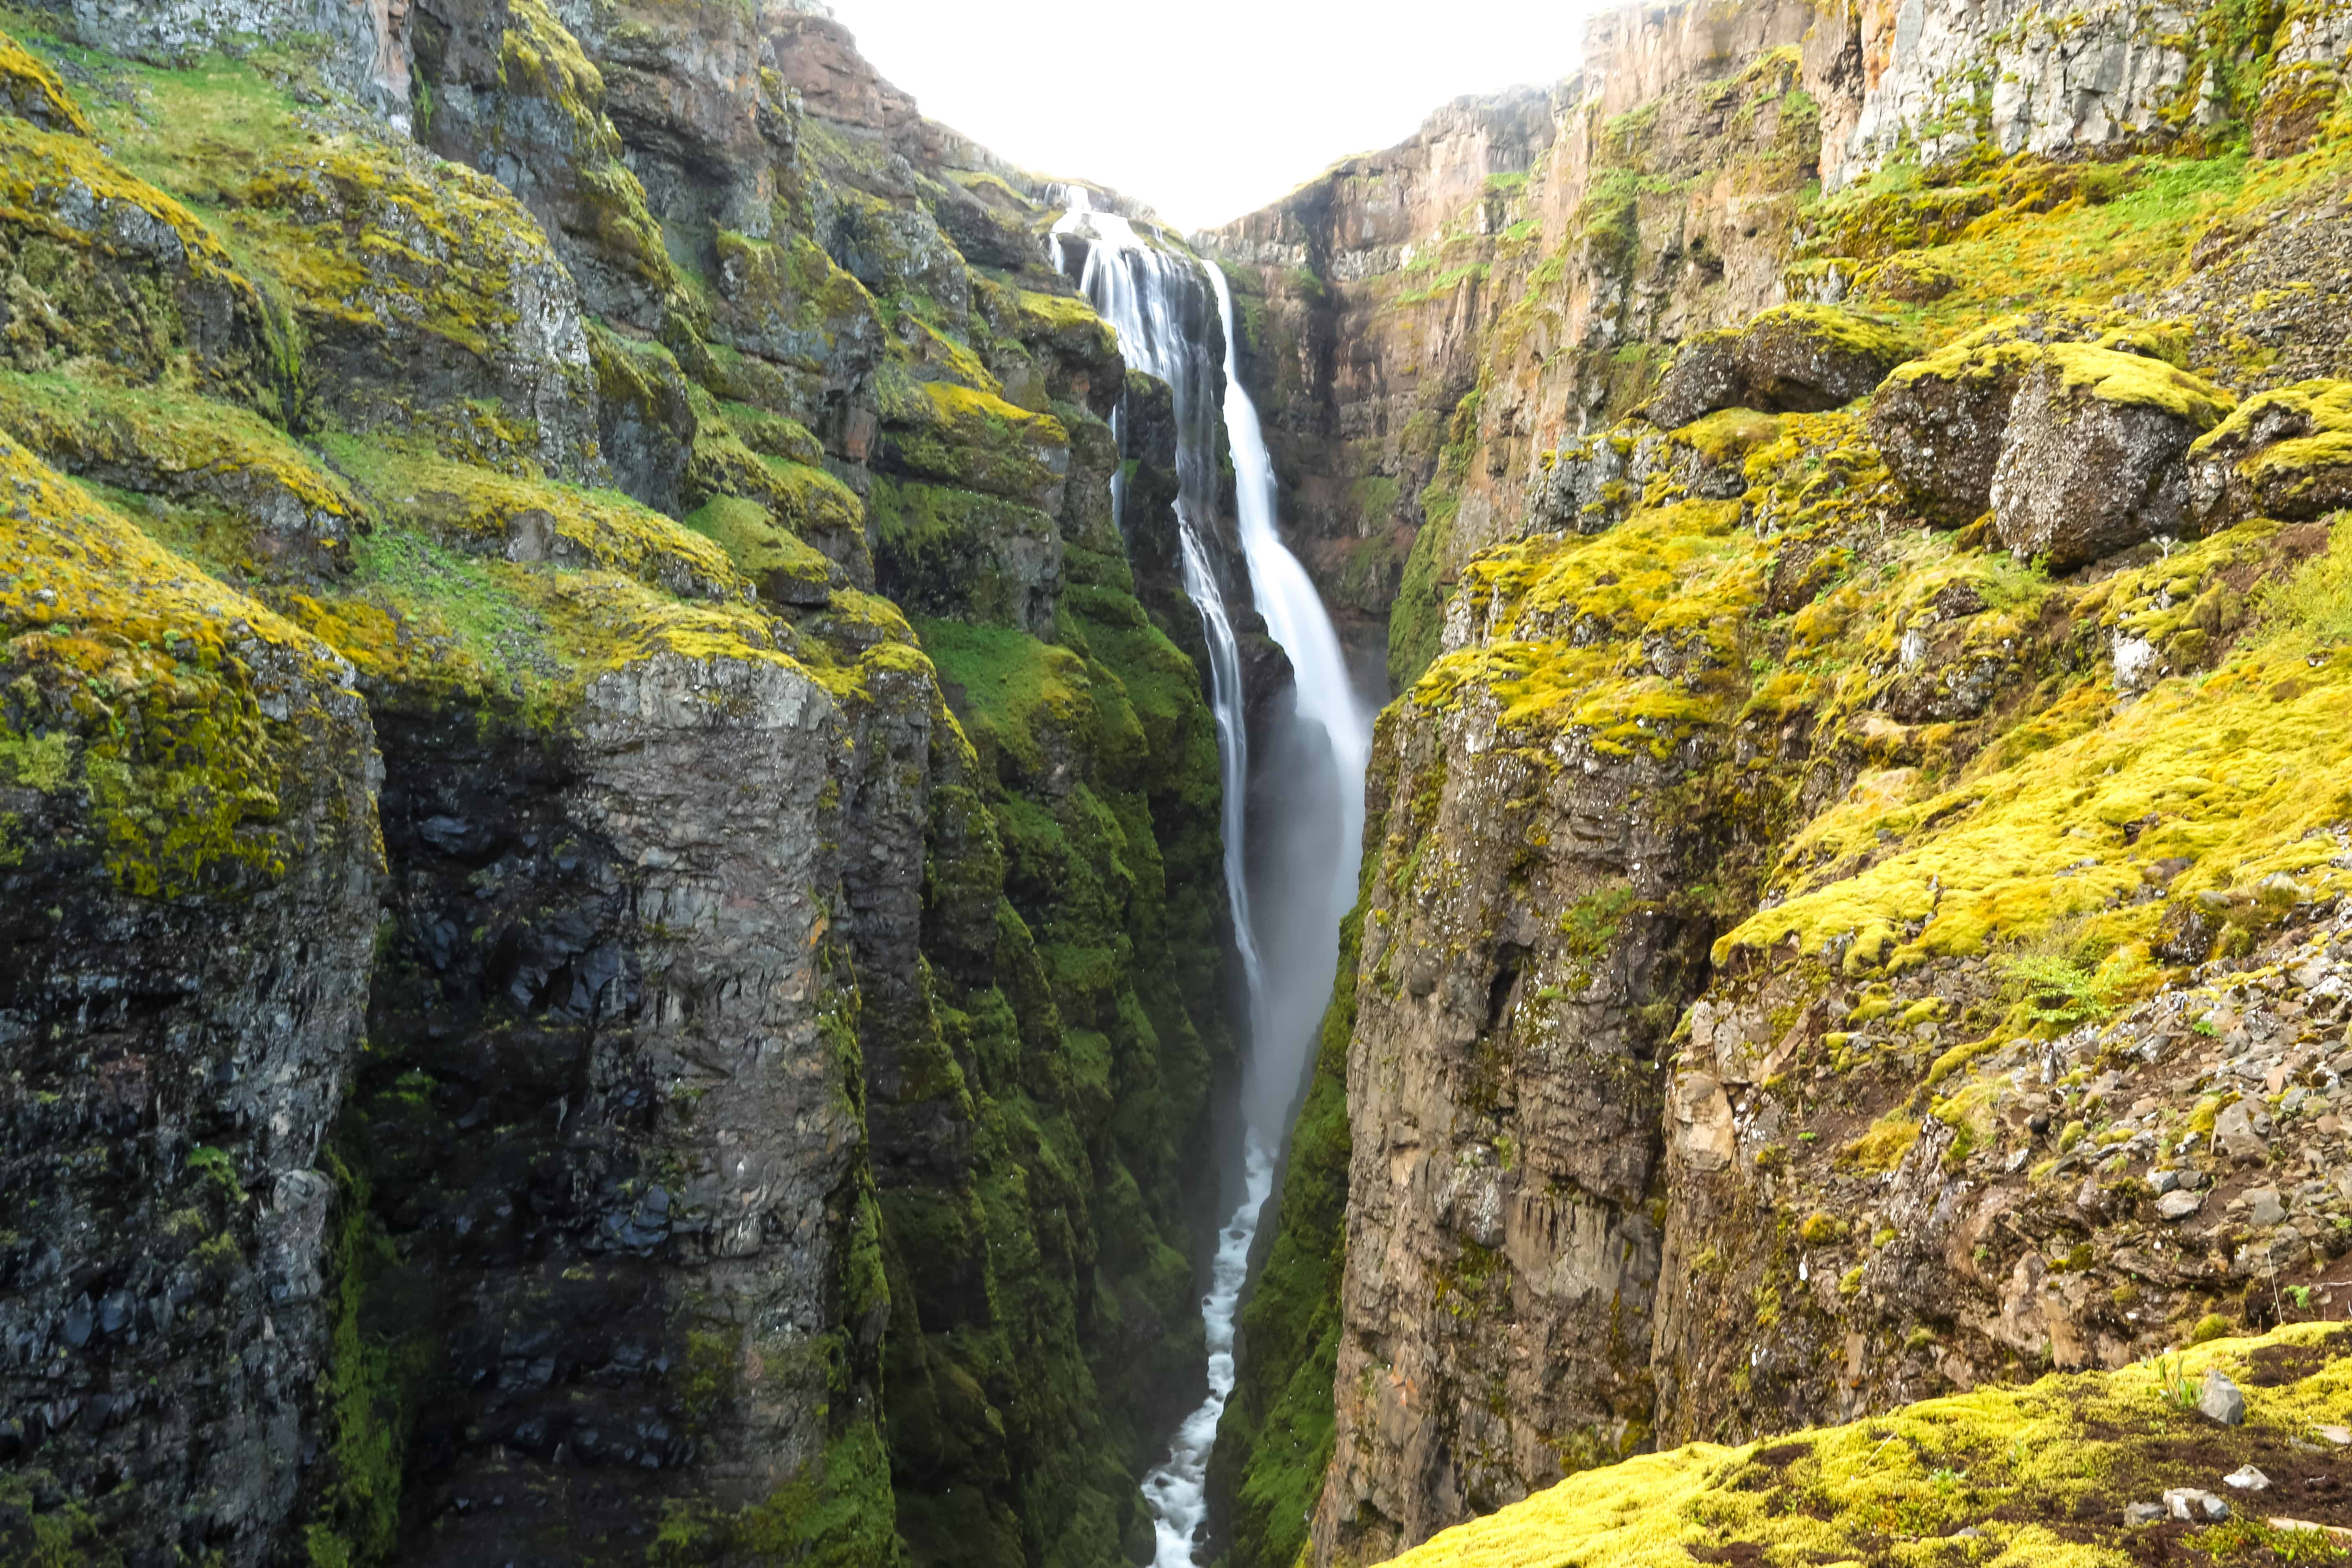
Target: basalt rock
(2285, 453)
(188, 846)
(1795, 359)
(2093, 459)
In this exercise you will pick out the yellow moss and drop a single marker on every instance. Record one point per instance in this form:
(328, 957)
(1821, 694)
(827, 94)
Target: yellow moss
(30, 90)
(188, 450)
(2319, 414)
(2016, 1464)
(2137, 380)
(150, 668)
(2225, 765)
(1882, 1148)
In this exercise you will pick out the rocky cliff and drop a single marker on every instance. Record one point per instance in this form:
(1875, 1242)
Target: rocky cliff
(1852, 904)
(616, 944)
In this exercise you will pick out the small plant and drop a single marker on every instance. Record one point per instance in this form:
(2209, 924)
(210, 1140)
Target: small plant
(2057, 991)
(2316, 601)
(2205, 1026)
(2173, 1383)
(2301, 1296)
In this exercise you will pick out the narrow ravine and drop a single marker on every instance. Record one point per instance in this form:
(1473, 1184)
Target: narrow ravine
(1290, 863)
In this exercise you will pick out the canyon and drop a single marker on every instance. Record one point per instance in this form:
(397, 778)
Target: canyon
(680, 802)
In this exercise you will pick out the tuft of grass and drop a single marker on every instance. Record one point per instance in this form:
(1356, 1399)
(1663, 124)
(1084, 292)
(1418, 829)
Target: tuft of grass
(2315, 603)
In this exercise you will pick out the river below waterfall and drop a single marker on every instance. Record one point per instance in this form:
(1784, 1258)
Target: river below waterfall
(1292, 845)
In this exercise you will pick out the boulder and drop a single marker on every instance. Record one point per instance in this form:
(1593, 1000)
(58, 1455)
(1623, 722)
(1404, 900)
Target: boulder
(1796, 358)
(2194, 1506)
(2285, 454)
(1805, 359)
(1705, 376)
(2178, 1206)
(2220, 1400)
(1938, 424)
(2234, 1133)
(2094, 457)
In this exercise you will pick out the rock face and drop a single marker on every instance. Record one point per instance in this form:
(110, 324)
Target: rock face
(1987, 1062)
(546, 1020)
(1506, 1140)
(188, 843)
(367, 41)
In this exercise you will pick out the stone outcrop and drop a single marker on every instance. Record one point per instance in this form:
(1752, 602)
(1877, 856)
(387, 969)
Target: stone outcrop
(367, 41)
(1796, 358)
(792, 1014)
(1901, 700)
(2285, 453)
(188, 846)
(2094, 459)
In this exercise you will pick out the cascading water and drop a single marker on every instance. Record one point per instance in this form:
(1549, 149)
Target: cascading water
(1308, 831)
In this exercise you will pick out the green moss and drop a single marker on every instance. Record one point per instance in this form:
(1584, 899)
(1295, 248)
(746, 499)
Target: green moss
(2291, 447)
(292, 510)
(785, 569)
(145, 662)
(482, 512)
(367, 1393)
(941, 552)
(174, 306)
(1025, 702)
(974, 440)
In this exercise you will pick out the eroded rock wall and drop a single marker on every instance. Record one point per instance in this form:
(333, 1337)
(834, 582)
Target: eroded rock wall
(1769, 552)
(792, 1012)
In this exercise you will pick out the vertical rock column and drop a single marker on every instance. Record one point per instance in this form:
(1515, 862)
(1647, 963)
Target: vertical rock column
(1524, 955)
(188, 858)
(616, 1129)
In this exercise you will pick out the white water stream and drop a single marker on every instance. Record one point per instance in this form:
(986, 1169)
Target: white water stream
(1310, 821)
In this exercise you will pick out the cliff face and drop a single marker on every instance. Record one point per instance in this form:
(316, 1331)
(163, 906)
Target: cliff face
(1842, 920)
(616, 943)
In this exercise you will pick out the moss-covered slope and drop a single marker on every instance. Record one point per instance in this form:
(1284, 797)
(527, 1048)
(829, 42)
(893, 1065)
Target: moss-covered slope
(2037, 1475)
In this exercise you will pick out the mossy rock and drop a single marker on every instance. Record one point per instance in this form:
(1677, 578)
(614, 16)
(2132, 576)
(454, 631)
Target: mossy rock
(1790, 359)
(2041, 1475)
(802, 499)
(160, 719)
(30, 90)
(1940, 420)
(954, 436)
(808, 325)
(296, 513)
(954, 554)
(530, 521)
(430, 299)
(526, 103)
(2094, 456)
(2285, 454)
(646, 417)
(105, 272)
(785, 570)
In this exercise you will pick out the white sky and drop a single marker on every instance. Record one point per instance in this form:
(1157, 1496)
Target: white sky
(1210, 109)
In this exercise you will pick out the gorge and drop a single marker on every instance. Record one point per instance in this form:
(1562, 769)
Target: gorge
(732, 834)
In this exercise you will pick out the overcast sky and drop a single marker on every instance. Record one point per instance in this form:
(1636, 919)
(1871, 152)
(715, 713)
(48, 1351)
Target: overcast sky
(1210, 109)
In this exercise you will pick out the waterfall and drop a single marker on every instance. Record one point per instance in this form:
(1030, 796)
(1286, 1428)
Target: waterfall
(1308, 829)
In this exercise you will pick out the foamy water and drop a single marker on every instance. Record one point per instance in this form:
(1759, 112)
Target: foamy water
(1176, 1490)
